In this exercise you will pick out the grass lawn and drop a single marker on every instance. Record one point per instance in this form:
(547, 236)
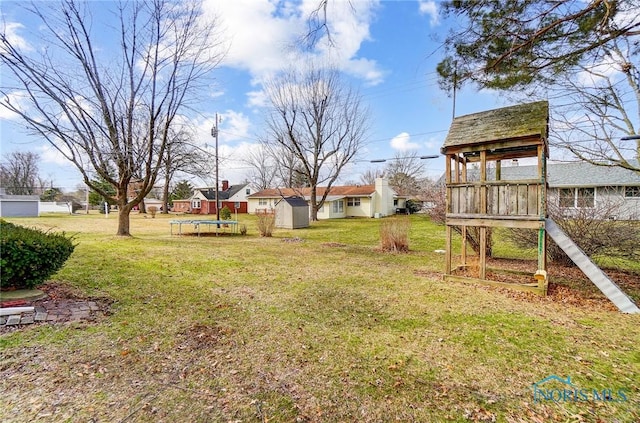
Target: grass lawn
(311, 325)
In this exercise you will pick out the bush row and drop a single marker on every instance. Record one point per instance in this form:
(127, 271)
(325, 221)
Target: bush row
(30, 256)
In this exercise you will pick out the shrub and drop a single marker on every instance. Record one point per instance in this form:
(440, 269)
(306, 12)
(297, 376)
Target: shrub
(30, 256)
(394, 234)
(243, 229)
(412, 207)
(266, 222)
(152, 211)
(592, 231)
(225, 213)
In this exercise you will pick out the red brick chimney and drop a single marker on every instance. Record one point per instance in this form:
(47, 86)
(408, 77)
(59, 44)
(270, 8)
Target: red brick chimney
(225, 185)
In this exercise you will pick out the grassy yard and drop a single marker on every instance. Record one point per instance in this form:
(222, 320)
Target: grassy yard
(311, 325)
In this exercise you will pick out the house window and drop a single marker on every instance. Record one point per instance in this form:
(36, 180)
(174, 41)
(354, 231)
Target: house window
(577, 197)
(338, 206)
(585, 197)
(566, 197)
(610, 191)
(353, 202)
(247, 191)
(262, 201)
(195, 204)
(632, 192)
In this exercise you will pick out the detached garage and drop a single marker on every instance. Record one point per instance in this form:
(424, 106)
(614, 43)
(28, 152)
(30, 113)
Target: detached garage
(292, 213)
(19, 205)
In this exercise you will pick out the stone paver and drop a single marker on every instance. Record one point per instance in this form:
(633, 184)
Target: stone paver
(56, 311)
(27, 318)
(14, 319)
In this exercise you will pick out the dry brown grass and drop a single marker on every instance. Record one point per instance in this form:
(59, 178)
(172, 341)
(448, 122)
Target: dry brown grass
(394, 234)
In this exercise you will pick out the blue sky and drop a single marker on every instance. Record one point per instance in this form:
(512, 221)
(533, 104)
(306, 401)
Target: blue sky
(387, 49)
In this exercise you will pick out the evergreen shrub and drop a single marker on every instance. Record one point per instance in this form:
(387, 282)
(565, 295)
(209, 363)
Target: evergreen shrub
(30, 256)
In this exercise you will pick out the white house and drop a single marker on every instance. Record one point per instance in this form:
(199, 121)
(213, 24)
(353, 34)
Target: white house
(376, 200)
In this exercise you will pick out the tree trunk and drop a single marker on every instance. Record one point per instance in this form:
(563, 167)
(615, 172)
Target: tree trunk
(165, 197)
(123, 221)
(314, 204)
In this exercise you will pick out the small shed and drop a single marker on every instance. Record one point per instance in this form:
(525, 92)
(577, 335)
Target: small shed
(292, 213)
(19, 205)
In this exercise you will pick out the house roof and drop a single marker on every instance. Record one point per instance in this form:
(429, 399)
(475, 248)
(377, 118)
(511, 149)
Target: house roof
(296, 201)
(574, 174)
(339, 191)
(508, 123)
(10, 197)
(210, 192)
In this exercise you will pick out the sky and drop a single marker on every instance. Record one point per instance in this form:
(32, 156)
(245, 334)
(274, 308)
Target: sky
(387, 50)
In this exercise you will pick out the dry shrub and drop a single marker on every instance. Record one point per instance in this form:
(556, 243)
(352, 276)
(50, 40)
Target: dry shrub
(591, 229)
(266, 222)
(394, 234)
(152, 211)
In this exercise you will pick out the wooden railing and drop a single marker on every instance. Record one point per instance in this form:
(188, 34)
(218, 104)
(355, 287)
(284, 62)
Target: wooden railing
(501, 199)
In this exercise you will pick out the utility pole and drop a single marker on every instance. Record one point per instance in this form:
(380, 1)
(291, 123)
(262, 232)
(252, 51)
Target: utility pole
(455, 87)
(214, 133)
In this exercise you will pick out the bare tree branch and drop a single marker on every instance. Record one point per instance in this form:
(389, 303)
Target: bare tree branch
(317, 124)
(109, 111)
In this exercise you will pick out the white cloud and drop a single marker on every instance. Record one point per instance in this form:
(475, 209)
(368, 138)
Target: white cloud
(18, 100)
(264, 35)
(10, 30)
(429, 8)
(259, 33)
(402, 142)
(235, 125)
(257, 99)
(48, 154)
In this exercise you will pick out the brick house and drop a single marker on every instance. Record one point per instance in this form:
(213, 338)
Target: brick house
(203, 200)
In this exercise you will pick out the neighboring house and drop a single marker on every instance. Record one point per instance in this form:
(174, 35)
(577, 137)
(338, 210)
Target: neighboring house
(579, 185)
(203, 200)
(153, 202)
(342, 201)
(19, 205)
(55, 207)
(292, 213)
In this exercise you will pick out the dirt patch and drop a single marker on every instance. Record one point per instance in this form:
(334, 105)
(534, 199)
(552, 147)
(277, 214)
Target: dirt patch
(203, 337)
(333, 244)
(567, 285)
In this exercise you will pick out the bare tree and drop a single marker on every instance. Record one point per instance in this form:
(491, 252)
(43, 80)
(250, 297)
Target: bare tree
(108, 111)
(182, 156)
(404, 173)
(603, 106)
(263, 168)
(19, 173)
(319, 122)
(370, 175)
